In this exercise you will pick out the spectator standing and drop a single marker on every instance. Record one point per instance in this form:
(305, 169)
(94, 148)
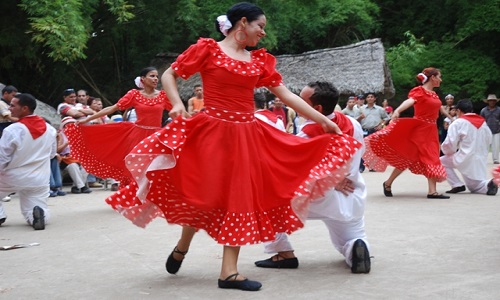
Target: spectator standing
(387, 107)
(82, 98)
(26, 148)
(196, 103)
(352, 110)
(375, 118)
(286, 114)
(6, 118)
(466, 149)
(69, 108)
(491, 114)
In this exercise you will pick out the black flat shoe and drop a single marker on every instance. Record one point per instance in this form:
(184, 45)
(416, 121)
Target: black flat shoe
(361, 262)
(283, 263)
(436, 195)
(457, 189)
(173, 265)
(492, 188)
(387, 190)
(244, 285)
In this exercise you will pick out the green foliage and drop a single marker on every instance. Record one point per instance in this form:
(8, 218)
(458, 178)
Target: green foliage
(62, 27)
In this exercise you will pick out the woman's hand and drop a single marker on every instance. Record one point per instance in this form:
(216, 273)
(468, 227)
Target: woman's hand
(331, 127)
(178, 110)
(84, 121)
(395, 116)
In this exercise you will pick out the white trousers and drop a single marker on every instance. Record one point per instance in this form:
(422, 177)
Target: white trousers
(29, 197)
(495, 147)
(77, 174)
(473, 185)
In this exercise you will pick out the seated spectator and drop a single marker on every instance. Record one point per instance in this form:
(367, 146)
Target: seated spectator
(75, 170)
(69, 107)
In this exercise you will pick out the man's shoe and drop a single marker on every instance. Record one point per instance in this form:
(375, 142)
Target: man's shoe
(85, 190)
(244, 285)
(75, 190)
(38, 218)
(95, 185)
(52, 194)
(279, 263)
(2, 220)
(360, 258)
(60, 193)
(456, 189)
(492, 188)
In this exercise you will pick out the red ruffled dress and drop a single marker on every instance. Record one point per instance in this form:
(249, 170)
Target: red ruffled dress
(101, 149)
(409, 143)
(223, 170)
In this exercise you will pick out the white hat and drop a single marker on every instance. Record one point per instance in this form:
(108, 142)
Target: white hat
(491, 97)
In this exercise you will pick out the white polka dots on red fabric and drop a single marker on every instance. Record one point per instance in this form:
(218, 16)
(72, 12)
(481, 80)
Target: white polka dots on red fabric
(156, 192)
(379, 154)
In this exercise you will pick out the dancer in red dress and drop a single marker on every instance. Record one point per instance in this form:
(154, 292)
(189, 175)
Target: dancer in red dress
(101, 149)
(411, 143)
(223, 170)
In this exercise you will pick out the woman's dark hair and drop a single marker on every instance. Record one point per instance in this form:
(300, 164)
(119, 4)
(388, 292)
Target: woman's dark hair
(243, 9)
(145, 71)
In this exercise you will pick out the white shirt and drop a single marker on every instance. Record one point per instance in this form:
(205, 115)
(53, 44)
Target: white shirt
(469, 147)
(25, 162)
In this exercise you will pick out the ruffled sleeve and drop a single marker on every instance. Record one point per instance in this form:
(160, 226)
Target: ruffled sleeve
(127, 101)
(269, 77)
(191, 61)
(416, 93)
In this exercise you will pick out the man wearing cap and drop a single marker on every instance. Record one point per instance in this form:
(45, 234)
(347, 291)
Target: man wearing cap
(26, 148)
(466, 149)
(491, 114)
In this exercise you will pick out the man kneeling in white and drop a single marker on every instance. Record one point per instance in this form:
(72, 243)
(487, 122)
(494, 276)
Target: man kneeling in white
(25, 151)
(342, 209)
(466, 149)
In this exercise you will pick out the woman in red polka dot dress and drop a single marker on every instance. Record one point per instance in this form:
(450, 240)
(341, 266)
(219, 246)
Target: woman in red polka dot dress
(102, 148)
(411, 143)
(222, 170)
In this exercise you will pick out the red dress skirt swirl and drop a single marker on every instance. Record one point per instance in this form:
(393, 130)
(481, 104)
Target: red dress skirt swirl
(101, 149)
(409, 143)
(223, 171)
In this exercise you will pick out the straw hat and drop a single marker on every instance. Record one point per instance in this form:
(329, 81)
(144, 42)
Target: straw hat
(491, 97)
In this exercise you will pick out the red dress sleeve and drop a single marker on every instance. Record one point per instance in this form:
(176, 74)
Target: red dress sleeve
(192, 60)
(127, 101)
(416, 93)
(270, 77)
